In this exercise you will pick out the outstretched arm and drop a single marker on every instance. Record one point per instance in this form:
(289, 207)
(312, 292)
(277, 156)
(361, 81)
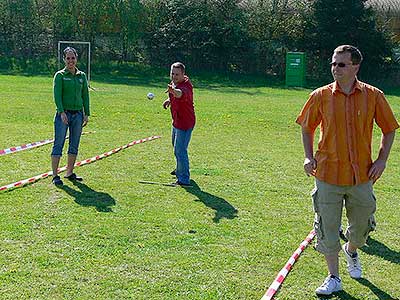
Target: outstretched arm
(176, 92)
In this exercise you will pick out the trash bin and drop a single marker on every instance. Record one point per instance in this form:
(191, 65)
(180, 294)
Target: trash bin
(295, 69)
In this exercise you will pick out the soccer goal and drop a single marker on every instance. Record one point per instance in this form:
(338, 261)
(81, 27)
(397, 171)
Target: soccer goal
(83, 49)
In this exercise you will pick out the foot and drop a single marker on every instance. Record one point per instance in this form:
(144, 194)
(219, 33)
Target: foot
(73, 177)
(331, 285)
(57, 180)
(353, 263)
(182, 184)
(173, 172)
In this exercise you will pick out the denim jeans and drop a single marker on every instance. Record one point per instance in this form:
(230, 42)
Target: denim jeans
(75, 121)
(180, 141)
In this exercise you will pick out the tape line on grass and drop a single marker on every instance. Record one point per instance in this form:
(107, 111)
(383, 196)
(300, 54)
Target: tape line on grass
(81, 163)
(32, 145)
(286, 269)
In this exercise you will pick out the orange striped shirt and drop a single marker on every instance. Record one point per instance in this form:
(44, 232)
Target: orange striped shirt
(344, 148)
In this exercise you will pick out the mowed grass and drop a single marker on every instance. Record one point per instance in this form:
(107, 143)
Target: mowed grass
(111, 237)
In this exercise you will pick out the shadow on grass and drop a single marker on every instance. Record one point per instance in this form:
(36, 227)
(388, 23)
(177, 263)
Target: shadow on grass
(377, 291)
(342, 295)
(378, 249)
(223, 209)
(86, 196)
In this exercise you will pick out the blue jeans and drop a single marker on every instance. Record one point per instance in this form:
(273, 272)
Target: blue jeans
(74, 125)
(180, 141)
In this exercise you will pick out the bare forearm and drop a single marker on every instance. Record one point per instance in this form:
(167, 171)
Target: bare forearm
(308, 143)
(177, 93)
(379, 165)
(310, 164)
(386, 144)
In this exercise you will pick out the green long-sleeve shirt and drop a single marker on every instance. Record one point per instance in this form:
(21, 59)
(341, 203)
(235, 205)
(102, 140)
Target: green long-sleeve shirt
(71, 91)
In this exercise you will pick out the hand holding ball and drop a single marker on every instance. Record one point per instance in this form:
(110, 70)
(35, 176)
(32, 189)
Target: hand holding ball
(150, 96)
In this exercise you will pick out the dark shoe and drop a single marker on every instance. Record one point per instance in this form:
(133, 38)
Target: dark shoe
(182, 184)
(173, 172)
(57, 180)
(74, 177)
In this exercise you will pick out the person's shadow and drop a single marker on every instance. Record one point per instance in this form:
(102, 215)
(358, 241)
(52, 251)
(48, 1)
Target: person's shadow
(375, 247)
(365, 282)
(86, 196)
(223, 209)
(377, 291)
(342, 295)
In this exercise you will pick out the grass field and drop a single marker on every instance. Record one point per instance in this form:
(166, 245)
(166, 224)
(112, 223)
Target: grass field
(111, 237)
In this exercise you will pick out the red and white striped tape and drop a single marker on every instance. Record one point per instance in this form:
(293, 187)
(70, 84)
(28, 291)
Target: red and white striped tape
(81, 163)
(31, 145)
(285, 270)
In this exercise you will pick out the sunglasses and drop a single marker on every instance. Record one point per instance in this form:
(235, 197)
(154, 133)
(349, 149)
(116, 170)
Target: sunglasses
(340, 65)
(70, 58)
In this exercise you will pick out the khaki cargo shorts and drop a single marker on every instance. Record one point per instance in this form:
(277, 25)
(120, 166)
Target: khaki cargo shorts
(328, 200)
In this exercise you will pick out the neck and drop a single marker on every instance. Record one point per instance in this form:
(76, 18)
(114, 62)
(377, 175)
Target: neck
(72, 70)
(346, 86)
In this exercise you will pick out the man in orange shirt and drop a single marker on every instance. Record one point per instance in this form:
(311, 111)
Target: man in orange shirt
(342, 166)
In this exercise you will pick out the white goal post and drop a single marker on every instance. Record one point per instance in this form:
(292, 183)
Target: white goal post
(75, 42)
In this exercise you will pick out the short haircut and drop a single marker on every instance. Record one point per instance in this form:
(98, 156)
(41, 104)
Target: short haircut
(69, 49)
(356, 56)
(179, 65)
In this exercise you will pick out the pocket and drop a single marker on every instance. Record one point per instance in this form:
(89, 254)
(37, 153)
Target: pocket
(371, 225)
(318, 226)
(314, 197)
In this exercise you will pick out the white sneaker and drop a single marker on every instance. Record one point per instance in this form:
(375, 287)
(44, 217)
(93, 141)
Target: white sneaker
(353, 263)
(331, 285)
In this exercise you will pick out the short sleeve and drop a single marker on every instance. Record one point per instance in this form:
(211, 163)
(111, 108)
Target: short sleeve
(384, 116)
(310, 116)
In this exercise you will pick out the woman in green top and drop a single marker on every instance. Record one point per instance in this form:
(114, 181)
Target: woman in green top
(71, 96)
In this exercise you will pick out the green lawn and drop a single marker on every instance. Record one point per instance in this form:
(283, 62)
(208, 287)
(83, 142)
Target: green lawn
(111, 237)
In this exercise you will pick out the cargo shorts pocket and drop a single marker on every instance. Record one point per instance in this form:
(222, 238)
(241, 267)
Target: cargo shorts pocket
(314, 195)
(318, 226)
(371, 225)
(317, 219)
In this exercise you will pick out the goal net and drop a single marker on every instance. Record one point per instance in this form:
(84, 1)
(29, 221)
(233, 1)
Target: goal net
(84, 54)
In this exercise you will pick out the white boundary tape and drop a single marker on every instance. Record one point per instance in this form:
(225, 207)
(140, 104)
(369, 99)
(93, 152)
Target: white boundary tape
(81, 163)
(286, 269)
(31, 145)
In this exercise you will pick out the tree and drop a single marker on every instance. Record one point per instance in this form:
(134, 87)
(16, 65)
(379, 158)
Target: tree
(207, 34)
(275, 27)
(20, 28)
(336, 22)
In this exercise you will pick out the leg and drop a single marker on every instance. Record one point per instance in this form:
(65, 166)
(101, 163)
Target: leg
(360, 207)
(75, 131)
(181, 143)
(173, 137)
(70, 164)
(60, 131)
(332, 262)
(328, 204)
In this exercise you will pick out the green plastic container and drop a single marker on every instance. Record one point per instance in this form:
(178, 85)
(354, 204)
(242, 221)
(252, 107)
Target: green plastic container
(295, 69)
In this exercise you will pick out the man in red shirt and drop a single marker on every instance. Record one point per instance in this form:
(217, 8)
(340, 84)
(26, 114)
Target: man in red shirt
(343, 169)
(180, 100)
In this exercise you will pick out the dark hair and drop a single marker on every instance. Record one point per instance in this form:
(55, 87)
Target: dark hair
(356, 56)
(179, 65)
(69, 49)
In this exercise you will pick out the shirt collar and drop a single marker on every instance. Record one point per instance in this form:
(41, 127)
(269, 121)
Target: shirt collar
(78, 72)
(336, 87)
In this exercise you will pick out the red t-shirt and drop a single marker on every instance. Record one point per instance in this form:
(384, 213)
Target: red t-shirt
(182, 109)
